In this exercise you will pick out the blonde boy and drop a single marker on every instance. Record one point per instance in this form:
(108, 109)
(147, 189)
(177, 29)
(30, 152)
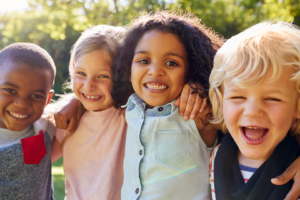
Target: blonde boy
(255, 96)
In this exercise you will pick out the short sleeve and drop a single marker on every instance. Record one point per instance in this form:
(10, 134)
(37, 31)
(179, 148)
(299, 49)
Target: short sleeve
(51, 129)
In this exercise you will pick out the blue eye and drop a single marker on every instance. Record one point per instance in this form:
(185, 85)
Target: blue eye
(171, 63)
(81, 73)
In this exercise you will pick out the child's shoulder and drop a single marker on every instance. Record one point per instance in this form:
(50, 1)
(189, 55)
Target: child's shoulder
(46, 125)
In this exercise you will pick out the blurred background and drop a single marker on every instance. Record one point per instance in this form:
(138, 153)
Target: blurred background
(55, 25)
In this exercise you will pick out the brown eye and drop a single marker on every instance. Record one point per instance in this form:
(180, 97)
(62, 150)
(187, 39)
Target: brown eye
(144, 62)
(171, 63)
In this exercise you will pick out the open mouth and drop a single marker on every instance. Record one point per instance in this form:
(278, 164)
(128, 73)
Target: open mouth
(254, 133)
(156, 86)
(91, 96)
(18, 115)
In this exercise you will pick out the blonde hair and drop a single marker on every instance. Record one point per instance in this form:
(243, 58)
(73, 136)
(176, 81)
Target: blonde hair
(247, 57)
(93, 39)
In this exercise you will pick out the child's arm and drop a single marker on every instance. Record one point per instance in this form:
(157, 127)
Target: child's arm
(190, 103)
(207, 130)
(292, 172)
(56, 150)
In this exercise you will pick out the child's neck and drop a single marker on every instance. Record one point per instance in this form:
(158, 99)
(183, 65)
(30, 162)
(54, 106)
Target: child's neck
(254, 163)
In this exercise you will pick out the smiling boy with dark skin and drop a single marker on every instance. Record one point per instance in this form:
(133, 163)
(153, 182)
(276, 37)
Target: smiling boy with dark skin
(27, 76)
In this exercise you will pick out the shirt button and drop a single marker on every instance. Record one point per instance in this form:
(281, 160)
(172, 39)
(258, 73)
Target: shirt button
(141, 152)
(160, 109)
(137, 190)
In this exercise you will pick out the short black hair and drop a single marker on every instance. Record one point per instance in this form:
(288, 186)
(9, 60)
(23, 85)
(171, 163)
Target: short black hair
(201, 44)
(29, 54)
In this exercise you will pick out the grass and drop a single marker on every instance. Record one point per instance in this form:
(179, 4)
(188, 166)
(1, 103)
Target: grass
(58, 179)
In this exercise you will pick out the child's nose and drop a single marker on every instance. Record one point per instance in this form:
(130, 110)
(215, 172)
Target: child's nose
(156, 70)
(89, 85)
(253, 108)
(22, 102)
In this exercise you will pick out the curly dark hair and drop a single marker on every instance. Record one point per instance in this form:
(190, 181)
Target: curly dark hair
(200, 42)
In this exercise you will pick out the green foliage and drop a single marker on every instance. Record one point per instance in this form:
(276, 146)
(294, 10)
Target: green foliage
(56, 24)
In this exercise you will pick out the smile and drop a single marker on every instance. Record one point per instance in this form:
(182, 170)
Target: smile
(254, 133)
(91, 96)
(18, 115)
(156, 86)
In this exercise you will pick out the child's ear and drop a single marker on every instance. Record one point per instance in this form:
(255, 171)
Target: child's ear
(130, 78)
(50, 96)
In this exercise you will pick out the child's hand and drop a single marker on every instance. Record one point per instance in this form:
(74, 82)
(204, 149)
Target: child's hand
(66, 117)
(190, 104)
(292, 172)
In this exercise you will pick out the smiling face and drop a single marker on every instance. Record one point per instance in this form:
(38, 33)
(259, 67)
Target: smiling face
(92, 81)
(24, 93)
(158, 68)
(259, 117)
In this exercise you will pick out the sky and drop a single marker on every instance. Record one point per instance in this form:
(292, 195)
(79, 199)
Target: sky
(12, 5)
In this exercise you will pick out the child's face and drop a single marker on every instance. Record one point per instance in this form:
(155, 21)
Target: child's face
(259, 117)
(158, 68)
(92, 81)
(24, 93)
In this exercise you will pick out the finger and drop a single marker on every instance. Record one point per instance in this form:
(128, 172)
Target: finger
(294, 193)
(204, 104)
(72, 124)
(282, 179)
(177, 102)
(60, 122)
(184, 99)
(198, 103)
(190, 105)
(290, 173)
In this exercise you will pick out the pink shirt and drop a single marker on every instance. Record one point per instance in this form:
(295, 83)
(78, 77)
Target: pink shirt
(93, 156)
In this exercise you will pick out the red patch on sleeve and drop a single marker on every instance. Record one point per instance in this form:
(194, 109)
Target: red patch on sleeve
(34, 149)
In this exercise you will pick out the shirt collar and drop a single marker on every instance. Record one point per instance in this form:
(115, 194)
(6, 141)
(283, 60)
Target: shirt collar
(163, 110)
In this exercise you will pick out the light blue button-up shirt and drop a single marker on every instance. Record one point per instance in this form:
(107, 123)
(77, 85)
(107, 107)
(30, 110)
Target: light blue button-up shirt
(165, 157)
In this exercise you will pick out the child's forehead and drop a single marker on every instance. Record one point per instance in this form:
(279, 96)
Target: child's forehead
(10, 68)
(281, 79)
(248, 76)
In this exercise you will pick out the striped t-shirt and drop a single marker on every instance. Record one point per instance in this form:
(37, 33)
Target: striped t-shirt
(246, 171)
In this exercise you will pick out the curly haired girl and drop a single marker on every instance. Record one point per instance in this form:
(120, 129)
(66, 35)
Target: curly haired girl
(165, 156)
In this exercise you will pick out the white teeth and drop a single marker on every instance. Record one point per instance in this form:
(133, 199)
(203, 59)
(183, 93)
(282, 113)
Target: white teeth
(249, 127)
(18, 115)
(257, 138)
(91, 97)
(156, 87)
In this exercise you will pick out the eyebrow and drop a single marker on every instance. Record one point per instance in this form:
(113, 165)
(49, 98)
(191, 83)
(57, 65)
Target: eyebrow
(15, 86)
(267, 92)
(170, 53)
(10, 84)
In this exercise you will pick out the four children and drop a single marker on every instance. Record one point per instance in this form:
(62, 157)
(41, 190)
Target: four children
(254, 94)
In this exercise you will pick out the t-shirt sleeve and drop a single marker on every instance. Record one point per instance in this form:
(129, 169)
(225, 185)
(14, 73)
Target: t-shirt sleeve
(60, 134)
(51, 128)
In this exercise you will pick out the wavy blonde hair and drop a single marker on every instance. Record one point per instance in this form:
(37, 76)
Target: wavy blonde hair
(247, 57)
